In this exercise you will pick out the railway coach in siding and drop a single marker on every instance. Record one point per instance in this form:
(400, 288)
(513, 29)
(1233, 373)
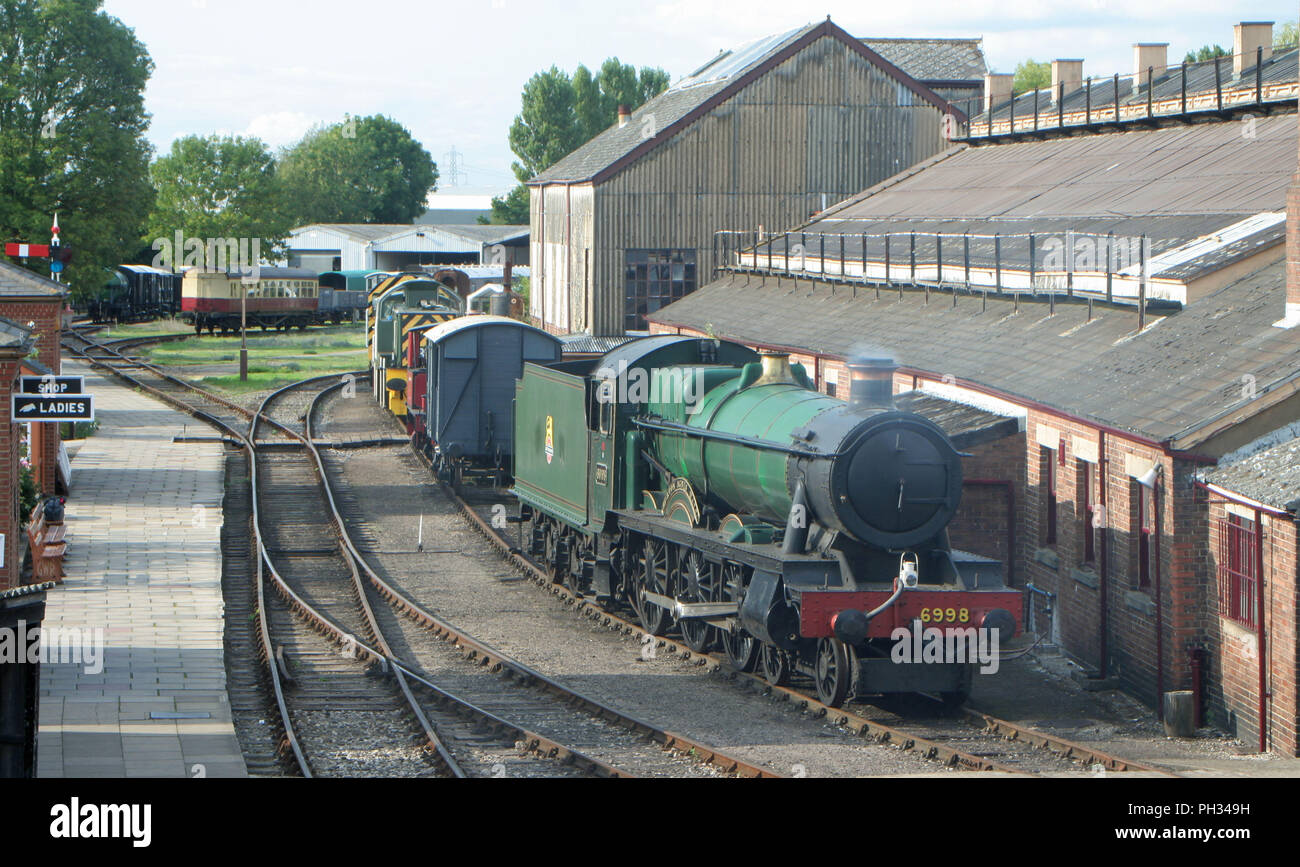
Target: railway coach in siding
(278, 298)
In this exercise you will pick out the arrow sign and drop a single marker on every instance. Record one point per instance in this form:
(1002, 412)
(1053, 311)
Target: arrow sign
(42, 407)
(25, 250)
(52, 385)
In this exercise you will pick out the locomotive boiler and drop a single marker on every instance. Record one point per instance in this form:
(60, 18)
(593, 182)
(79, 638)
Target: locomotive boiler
(718, 493)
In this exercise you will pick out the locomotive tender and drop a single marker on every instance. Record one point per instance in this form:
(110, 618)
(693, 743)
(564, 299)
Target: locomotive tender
(720, 493)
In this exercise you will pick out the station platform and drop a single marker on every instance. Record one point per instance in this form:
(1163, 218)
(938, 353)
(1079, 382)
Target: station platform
(144, 566)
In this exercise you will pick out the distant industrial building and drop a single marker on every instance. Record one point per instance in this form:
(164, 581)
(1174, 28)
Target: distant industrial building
(1129, 290)
(387, 247)
(762, 136)
(455, 209)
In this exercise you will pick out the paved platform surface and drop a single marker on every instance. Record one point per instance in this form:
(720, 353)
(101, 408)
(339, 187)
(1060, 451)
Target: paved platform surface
(143, 566)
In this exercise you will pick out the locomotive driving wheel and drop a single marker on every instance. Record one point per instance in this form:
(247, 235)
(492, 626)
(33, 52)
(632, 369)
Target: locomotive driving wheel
(775, 663)
(833, 671)
(653, 579)
(574, 579)
(741, 647)
(698, 584)
(550, 550)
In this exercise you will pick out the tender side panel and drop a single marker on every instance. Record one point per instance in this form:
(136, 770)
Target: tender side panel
(551, 442)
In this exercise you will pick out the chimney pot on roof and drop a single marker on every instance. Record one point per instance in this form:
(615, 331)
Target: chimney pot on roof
(1069, 73)
(997, 89)
(1149, 55)
(624, 115)
(1247, 38)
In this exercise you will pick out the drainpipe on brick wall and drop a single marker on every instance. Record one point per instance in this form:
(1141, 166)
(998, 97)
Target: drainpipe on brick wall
(1103, 465)
(1259, 615)
(1009, 487)
(1160, 618)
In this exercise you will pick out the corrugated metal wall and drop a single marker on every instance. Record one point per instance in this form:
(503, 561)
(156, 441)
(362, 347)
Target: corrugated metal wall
(825, 123)
(561, 255)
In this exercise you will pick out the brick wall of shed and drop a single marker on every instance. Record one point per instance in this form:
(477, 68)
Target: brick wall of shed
(46, 316)
(1176, 576)
(983, 524)
(1232, 680)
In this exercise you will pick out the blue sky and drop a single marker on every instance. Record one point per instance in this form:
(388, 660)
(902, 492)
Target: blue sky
(451, 72)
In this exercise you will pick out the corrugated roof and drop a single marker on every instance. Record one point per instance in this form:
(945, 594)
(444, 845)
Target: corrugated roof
(585, 343)
(1177, 171)
(967, 426)
(19, 282)
(1270, 476)
(1204, 195)
(1184, 371)
(934, 59)
(715, 80)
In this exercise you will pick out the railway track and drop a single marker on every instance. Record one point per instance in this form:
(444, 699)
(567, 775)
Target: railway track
(343, 696)
(969, 740)
(503, 686)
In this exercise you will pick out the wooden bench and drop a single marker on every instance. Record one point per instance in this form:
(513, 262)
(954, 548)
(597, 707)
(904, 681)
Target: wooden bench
(47, 547)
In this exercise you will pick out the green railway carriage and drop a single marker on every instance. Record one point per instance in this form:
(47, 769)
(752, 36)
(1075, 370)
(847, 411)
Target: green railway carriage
(717, 493)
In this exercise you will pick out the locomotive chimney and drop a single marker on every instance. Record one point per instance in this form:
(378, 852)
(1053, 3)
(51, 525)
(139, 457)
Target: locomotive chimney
(871, 382)
(776, 368)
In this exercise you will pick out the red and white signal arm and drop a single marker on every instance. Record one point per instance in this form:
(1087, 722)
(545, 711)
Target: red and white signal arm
(26, 250)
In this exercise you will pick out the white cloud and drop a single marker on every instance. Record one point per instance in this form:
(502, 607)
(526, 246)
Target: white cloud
(280, 128)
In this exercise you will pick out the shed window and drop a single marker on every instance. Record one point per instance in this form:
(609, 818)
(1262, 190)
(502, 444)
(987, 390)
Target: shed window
(1087, 512)
(1047, 479)
(655, 279)
(1238, 570)
(1144, 498)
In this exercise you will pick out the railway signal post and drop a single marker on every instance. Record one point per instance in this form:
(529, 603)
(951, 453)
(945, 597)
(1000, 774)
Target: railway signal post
(243, 333)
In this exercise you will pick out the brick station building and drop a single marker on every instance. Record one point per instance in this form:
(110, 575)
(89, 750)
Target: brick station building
(15, 343)
(1133, 378)
(36, 304)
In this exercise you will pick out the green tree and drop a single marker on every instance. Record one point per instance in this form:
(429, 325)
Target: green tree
(1286, 36)
(362, 170)
(1031, 76)
(1204, 53)
(72, 125)
(217, 187)
(559, 113)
